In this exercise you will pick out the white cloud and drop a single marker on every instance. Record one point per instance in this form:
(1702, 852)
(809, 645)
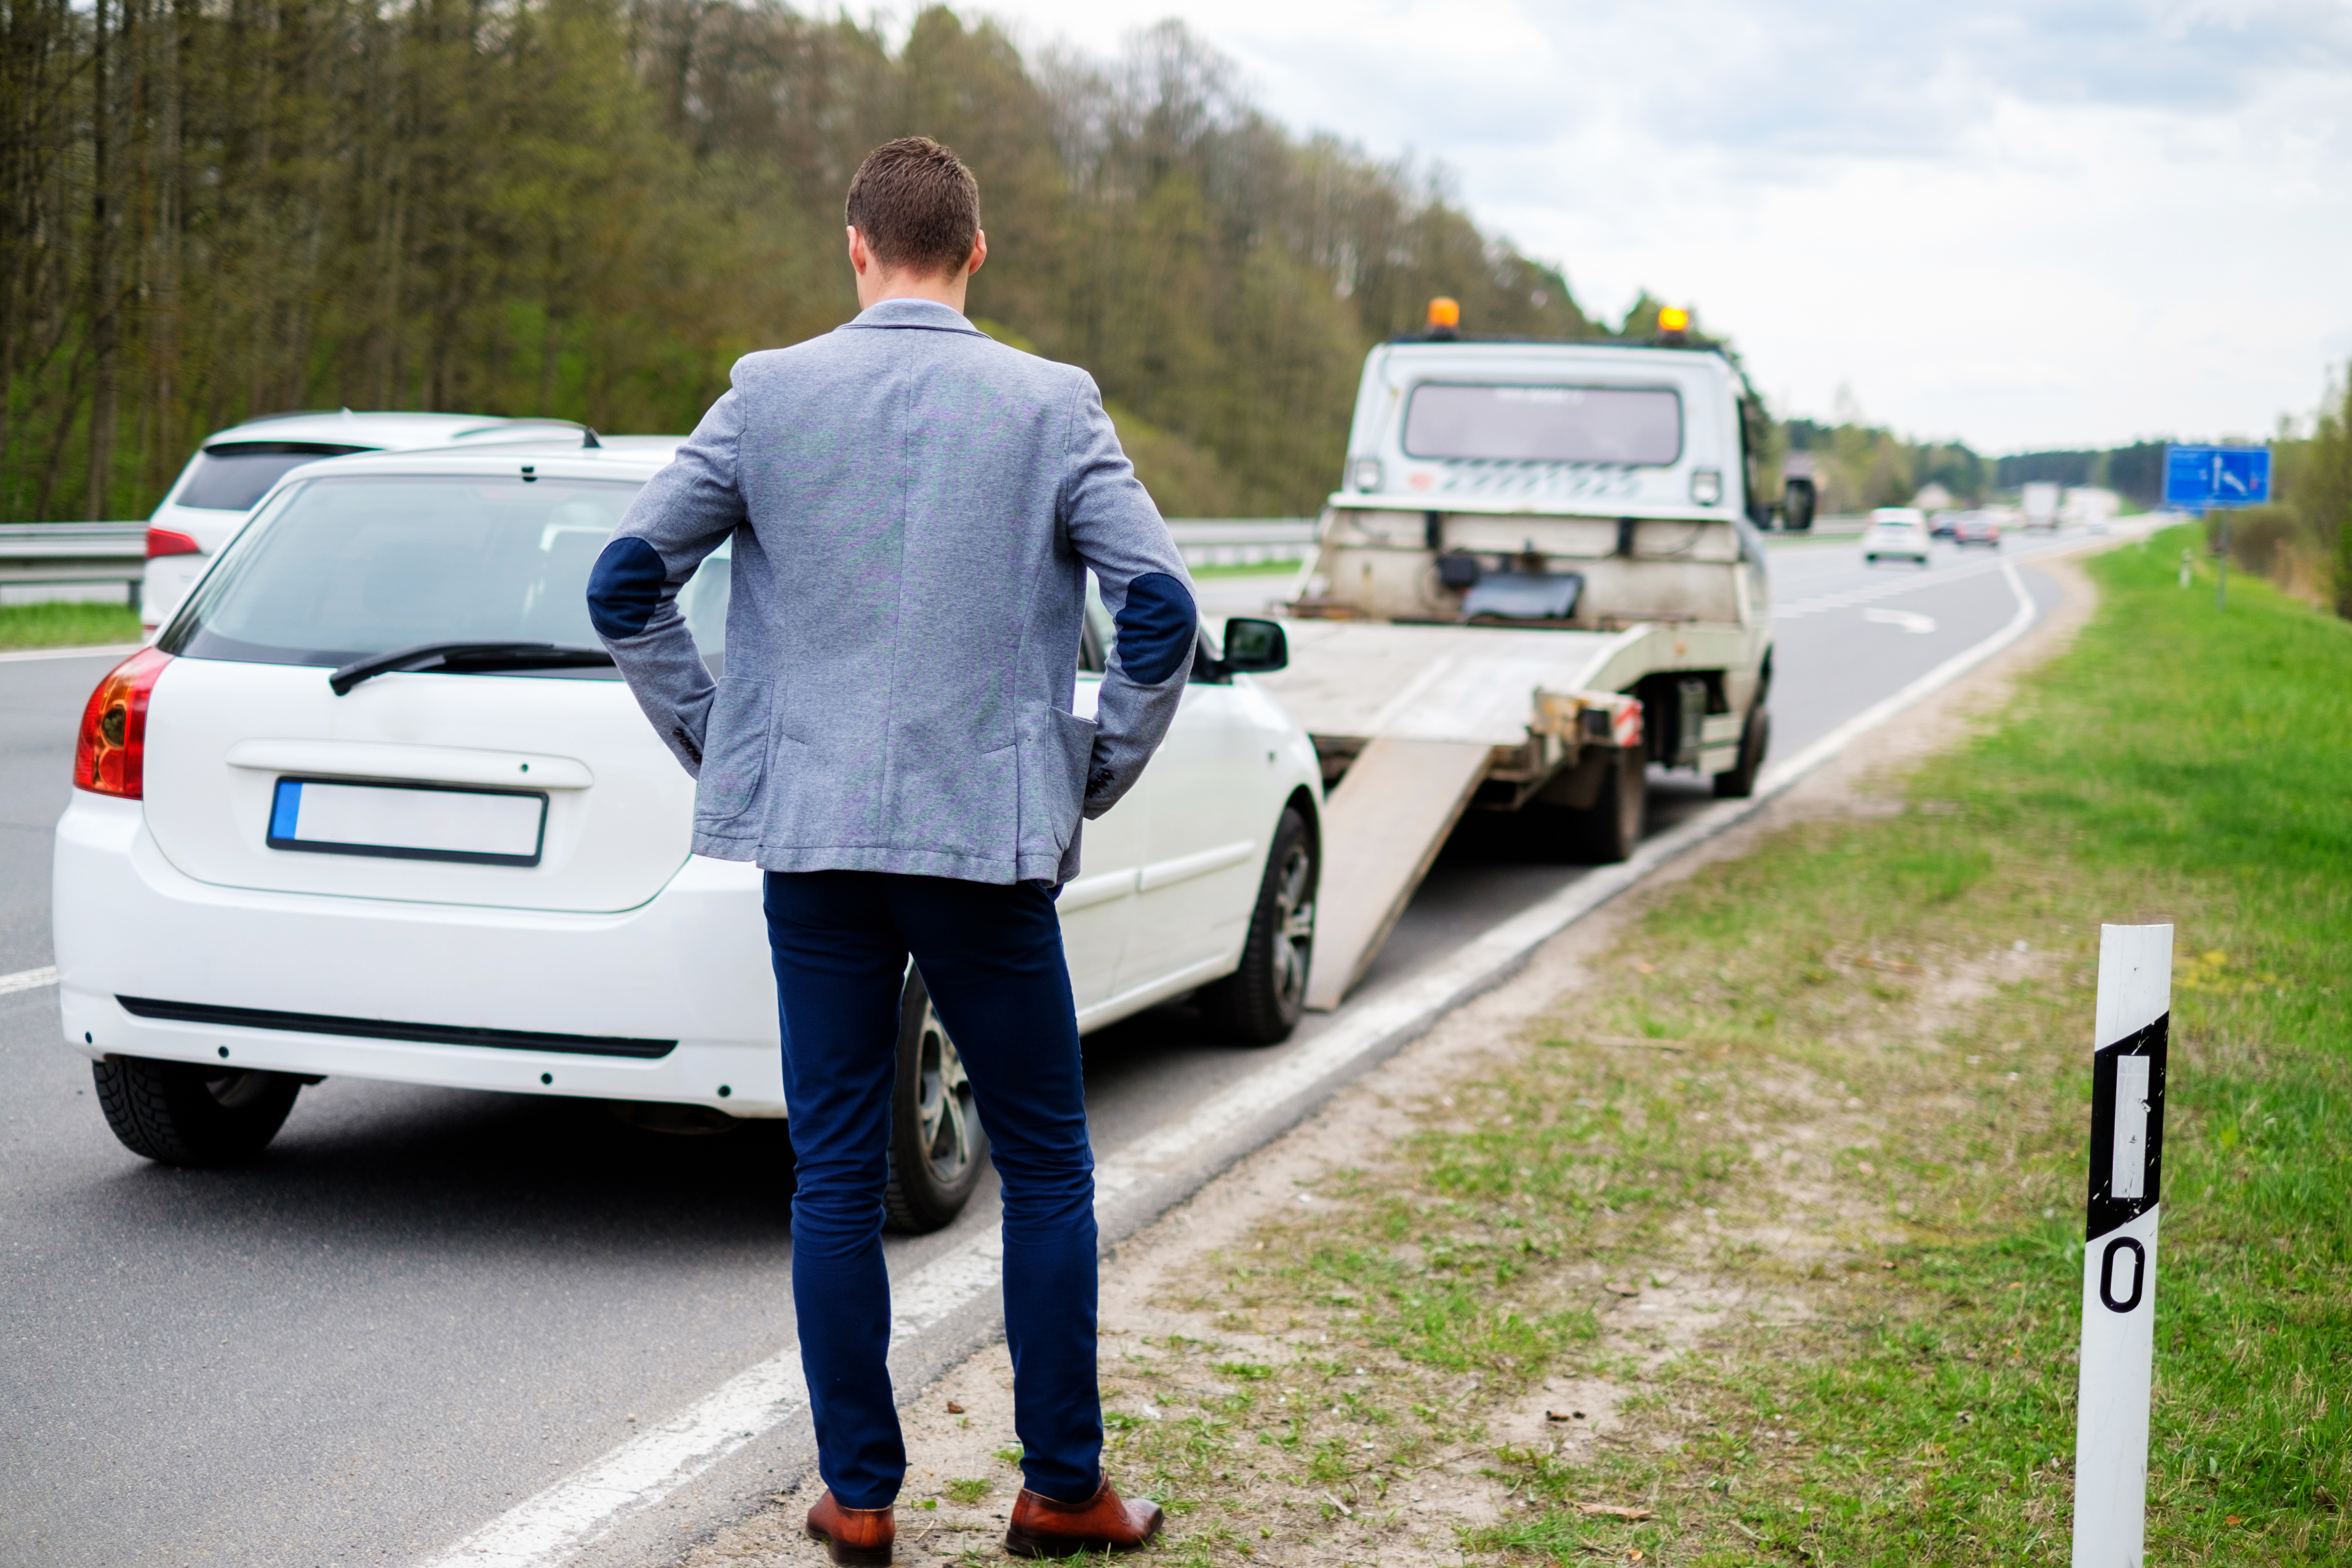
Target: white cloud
(2074, 222)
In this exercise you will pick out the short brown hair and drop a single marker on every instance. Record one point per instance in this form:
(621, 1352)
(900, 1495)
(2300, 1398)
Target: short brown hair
(916, 204)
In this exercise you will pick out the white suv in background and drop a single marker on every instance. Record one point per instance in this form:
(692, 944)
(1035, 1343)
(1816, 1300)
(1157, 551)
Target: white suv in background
(233, 468)
(377, 804)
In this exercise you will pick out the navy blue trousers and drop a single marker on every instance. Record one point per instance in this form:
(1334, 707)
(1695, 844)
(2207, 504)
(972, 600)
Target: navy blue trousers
(992, 957)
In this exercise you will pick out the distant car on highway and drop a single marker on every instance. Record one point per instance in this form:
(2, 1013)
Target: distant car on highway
(376, 804)
(1976, 528)
(234, 467)
(1895, 533)
(1943, 524)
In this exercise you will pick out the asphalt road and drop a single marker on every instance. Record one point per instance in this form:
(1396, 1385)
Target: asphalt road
(424, 1305)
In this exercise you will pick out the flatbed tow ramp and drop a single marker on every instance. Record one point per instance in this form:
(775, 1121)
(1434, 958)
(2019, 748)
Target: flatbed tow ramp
(1416, 719)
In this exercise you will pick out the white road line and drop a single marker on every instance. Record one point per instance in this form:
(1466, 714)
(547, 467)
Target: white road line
(114, 650)
(1847, 598)
(550, 1527)
(1915, 623)
(28, 980)
(1780, 778)
(641, 1471)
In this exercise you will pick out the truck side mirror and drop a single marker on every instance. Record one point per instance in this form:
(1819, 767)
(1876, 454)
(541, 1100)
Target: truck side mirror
(1254, 647)
(1797, 506)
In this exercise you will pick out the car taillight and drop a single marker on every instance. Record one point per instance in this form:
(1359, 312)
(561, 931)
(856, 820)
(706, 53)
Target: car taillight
(171, 541)
(111, 756)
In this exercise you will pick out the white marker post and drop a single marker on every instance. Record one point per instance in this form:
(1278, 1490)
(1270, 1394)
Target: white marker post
(2119, 1257)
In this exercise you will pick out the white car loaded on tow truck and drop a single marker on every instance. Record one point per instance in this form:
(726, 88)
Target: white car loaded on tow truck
(1543, 572)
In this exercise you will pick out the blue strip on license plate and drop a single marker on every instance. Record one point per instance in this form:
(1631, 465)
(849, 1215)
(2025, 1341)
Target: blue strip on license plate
(411, 822)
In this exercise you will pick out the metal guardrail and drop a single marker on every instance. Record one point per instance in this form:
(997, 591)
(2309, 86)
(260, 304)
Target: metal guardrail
(1242, 541)
(35, 554)
(1247, 540)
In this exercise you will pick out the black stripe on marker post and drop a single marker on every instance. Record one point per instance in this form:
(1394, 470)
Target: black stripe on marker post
(2105, 1212)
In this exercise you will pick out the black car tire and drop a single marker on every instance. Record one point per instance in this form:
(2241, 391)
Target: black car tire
(1755, 739)
(1260, 1003)
(191, 1113)
(938, 1147)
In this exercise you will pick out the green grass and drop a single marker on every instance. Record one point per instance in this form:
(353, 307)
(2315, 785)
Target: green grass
(1869, 1062)
(1254, 569)
(2188, 765)
(66, 625)
(2180, 766)
(969, 1490)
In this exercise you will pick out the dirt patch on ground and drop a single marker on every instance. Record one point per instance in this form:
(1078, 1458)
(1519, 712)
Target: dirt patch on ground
(1302, 1433)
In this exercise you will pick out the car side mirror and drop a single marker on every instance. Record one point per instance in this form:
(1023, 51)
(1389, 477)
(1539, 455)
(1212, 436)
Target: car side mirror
(1254, 647)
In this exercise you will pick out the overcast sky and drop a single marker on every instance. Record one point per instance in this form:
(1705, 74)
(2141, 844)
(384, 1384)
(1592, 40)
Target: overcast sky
(2073, 222)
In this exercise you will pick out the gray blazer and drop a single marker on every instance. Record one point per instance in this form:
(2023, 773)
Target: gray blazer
(914, 506)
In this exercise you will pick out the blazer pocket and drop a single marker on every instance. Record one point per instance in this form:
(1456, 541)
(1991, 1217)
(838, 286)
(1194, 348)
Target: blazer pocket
(734, 751)
(1056, 748)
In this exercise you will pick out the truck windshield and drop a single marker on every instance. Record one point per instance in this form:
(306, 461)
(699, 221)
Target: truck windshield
(337, 569)
(230, 476)
(1633, 425)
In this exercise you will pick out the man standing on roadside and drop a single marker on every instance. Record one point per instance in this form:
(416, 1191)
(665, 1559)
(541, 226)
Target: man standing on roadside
(914, 508)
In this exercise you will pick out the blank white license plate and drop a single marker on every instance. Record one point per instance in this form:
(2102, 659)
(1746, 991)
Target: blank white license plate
(409, 822)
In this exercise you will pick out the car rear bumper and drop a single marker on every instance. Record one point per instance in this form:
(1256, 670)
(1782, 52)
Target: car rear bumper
(152, 962)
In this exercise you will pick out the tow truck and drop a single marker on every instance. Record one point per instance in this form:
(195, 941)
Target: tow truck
(1543, 574)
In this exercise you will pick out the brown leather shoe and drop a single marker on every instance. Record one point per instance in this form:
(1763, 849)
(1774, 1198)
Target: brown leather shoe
(1104, 1523)
(854, 1536)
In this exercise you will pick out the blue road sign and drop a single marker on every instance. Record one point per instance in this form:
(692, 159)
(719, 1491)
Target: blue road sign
(2198, 478)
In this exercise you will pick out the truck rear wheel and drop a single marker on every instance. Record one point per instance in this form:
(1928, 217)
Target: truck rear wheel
(191, 1113)
(1601, 834)
(1755, 737)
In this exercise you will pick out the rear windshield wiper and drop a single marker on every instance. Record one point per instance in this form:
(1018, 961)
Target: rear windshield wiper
(465, 657)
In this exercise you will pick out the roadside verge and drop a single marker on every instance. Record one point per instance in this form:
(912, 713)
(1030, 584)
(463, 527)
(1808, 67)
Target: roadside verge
(1743, 1225)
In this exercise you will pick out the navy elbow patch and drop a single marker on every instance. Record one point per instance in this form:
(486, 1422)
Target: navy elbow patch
(1156, 628)
(626, 587)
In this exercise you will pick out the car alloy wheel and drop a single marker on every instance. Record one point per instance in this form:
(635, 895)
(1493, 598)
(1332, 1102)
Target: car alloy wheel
(1262, 1000)
(1294, 921)
(938, 1147)
(943, 1111)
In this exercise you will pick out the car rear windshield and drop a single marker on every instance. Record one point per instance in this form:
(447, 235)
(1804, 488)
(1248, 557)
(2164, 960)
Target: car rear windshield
(230, 476)
(337, 569)
(1633, 425)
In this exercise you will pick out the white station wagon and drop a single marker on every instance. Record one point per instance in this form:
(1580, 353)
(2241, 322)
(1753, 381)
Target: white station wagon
(377, 804)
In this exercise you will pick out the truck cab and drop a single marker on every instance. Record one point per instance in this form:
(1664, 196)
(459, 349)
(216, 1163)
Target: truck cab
(1563, 487)
(1625, 468)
